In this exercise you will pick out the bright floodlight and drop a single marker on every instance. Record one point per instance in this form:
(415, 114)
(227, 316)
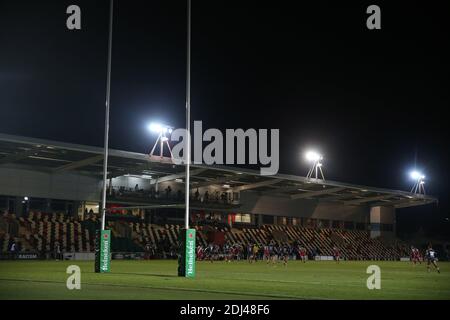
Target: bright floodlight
(155, 127)
(161, 130)
(419, 182)
(316, 165)
(313, 156)
(416, 175)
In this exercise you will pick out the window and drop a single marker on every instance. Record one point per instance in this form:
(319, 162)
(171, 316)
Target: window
(243, 218)
(58, 205)
(94, 206)
(267, 219)
(3, 203)
(360, 226)
(323, 223)
(281, 220)
(348, 225)
(37, 204)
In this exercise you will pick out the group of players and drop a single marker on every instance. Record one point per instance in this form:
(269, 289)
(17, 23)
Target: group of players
(274, 252)
(271, 252)
(430, 256)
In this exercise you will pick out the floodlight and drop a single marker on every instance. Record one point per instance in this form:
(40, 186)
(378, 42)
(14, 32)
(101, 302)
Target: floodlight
(155, 127)
(162, 130)
(316, 168)
(416, 175)
(313, 156)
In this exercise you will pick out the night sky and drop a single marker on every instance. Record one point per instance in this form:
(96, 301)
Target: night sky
(373, 101)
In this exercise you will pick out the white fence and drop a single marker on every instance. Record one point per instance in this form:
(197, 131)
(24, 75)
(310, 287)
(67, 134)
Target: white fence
(323, 258)
(79, 256)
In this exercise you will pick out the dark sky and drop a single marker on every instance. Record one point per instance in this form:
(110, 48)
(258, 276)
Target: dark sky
(373, 101)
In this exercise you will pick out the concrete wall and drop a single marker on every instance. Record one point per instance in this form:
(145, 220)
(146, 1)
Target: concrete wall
(381, 215)
(252, 202)
(64, 186)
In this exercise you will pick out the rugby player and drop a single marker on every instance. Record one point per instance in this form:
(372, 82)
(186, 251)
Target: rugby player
(431, 259)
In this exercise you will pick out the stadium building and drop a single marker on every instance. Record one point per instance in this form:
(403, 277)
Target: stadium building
(50, 193)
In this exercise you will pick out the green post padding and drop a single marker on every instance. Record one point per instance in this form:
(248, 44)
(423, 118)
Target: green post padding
(103, 251)
(190, 253)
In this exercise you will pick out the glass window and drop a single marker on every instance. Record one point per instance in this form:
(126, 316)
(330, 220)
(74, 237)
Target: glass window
(94, 206)
(322, 223)
(58, 205)
(267, 219)
(348, 225)
(360, 226)
(335, 224)
(243, 218)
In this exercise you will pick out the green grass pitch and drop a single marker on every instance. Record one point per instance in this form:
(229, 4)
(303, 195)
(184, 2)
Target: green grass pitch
(156, 279)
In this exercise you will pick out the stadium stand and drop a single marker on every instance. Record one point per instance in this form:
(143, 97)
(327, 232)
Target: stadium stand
(54, 190)
(40, 233)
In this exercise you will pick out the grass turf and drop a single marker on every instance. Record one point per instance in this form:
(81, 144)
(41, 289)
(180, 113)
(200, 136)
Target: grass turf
(220, 280)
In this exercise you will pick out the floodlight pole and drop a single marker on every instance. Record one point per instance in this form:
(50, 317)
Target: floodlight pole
(321, 172)
(108, 94)
(188, 114)
(160, 140)
(156, 143)
(315, 169)
(419, 187)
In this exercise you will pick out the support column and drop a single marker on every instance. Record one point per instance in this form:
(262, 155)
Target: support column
(48, 205)
(18, 205)
(378, 216)
(260, 220)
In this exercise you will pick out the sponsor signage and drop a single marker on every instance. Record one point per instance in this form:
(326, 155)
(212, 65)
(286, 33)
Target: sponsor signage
(190, 253)
(27, 256)
(105, 253)
(20, 256)
(127, 255)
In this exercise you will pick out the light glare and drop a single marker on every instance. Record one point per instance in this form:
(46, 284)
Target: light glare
(313, 156)
(155, 127)
(159, 128)
(416, 175)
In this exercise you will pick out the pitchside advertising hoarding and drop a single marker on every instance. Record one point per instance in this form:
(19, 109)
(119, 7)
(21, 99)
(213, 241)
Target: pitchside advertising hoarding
(190, 253)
